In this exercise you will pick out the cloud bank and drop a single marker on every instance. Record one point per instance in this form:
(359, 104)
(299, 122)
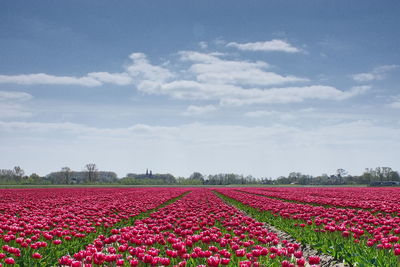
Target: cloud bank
(273, 45)
(378, 73)
(214, 76)
(258, 150)
(12, 104)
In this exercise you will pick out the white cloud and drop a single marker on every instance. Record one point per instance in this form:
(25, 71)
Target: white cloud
(289, 95)
(273, 45)
(203, 45)
(365, 77)
(358, 130)
(92, 79)
(307, 115)
(234, 95)
(200, 57)
(307, 110)
(141, 69)
(209, 68)
(42, 78)
(15, 96)
(270, 114)
(235, 82)
(356, 90)
(260, 113)
(114, 78)
(395, 103)
(385, 68)
(208, 76)
(13, 110)
(378, 73)
(11, 104)
(199, 110)
(186, 148)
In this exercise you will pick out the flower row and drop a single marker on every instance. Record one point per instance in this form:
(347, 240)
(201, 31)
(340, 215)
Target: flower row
(50, 222)
(340, 232)
(374, 199)
(197, 230)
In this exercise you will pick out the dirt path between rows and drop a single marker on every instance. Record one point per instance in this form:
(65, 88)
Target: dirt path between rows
(326, 260)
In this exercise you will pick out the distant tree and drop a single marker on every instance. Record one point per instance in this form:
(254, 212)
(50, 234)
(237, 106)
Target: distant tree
(107, 177)
(35, 179)
(367, 177)
(266, 180)
(197, 176)
(394, 176)
(282, 180)
(341, 173)
(294, 177)
(305, 179)
(66, 173)
(380, 173)
(91, 172)
(6, 176)
(188, 181)
(18, 173)
(386, 173)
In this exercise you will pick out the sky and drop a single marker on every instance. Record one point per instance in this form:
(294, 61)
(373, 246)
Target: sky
(260, 88)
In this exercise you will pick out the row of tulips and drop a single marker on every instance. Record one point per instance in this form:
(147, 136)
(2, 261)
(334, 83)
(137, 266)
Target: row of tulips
(357, 236)
(375, 199)
(196, 230)
(37, 226)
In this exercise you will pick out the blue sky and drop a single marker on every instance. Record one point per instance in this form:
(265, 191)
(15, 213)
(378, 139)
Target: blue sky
(251, 87)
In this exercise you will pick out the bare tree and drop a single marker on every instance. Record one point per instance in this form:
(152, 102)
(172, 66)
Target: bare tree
(91, 172)
(66, 172)
(341, 173)
(386, 171)
(18, 173)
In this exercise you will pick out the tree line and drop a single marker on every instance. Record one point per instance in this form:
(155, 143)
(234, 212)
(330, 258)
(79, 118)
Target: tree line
(370, 176)
(91, 175)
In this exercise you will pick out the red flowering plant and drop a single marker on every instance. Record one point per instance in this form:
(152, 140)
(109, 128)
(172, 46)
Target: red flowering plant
(37, 226)
(197, 230)
(342, 232)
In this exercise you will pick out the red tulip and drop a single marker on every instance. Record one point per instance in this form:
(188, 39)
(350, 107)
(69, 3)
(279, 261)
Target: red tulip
(9, 261)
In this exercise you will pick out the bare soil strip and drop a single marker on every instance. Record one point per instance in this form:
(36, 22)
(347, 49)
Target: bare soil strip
(326, 260)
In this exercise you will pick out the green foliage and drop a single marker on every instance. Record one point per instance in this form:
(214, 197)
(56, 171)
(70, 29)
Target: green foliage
(148, 178)
(230, 178)
(67, 176)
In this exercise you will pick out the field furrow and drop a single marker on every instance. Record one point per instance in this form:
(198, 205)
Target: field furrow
(356, 236)
(197, 230)
(326, 260)
(192, 227)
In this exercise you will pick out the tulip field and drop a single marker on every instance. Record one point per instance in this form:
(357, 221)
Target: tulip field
(200, 227)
